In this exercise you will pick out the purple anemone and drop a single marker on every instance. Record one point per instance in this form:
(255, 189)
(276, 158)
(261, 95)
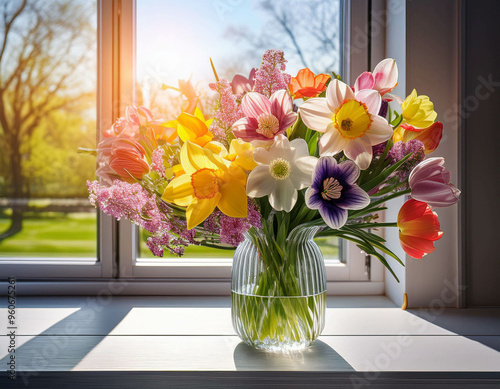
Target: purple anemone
(334, 191)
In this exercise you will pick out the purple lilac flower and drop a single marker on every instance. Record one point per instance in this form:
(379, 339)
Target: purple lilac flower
(271, 76)
(334, 191)
(379, 149)
(400, 150)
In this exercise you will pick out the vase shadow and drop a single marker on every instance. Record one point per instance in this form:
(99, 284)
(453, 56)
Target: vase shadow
(318, 357)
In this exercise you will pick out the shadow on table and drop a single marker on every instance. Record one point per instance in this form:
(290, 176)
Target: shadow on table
(318, 357)
(478, 324)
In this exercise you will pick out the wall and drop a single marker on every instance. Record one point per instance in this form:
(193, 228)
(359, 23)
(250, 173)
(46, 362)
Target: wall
(481, 135)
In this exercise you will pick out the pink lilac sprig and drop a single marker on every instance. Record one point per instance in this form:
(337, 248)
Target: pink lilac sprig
(271, 75)
(131, 201)
(123, 200)
(230, 229)
(157, 161)
(226, 111)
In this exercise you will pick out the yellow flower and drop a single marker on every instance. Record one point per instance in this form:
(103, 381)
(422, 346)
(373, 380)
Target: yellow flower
(209, 181)
(194, 128)
(418, 111)
(241, 153)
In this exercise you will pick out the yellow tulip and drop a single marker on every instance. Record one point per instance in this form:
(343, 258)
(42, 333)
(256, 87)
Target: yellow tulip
(209, 182)
(418, 111)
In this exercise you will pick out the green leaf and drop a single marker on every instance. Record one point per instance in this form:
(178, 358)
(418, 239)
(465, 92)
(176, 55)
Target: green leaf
(382, 176)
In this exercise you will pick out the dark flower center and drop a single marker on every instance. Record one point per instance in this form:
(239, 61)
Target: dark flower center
(331, 189)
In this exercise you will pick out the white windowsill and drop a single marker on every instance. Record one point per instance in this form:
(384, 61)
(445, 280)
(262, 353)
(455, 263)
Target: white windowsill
(195, 334)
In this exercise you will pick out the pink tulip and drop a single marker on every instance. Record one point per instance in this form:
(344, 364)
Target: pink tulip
(430, 182)
(383, 79)
(264, 118)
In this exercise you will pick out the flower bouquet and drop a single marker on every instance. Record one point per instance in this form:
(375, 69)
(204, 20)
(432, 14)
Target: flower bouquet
(279, 161)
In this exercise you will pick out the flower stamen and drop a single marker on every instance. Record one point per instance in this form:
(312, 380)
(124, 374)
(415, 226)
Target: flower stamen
(331, 189)
(280, 169)
(269, 125)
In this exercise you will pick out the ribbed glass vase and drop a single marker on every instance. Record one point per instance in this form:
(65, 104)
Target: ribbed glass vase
(278, 292)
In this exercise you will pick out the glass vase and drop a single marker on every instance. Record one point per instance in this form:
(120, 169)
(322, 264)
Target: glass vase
(278, 290)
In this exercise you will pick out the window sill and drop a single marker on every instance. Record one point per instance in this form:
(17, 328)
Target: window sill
(190, 340)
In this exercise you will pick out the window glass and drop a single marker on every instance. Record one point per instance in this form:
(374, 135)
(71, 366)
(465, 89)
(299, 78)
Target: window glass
(176, 39)
(47, 86)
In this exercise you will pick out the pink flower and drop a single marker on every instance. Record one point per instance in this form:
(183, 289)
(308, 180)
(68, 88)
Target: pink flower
(241, 84)
(430, 183)
(383, 79)
(264, 118)
(271, 75)
(226, 110)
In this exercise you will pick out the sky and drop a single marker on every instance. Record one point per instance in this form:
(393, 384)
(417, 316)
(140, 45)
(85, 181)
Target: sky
(176, 38)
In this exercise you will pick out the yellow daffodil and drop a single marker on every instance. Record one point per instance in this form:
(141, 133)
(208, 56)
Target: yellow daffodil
(194, 128)
(418, 111)
(209, 181)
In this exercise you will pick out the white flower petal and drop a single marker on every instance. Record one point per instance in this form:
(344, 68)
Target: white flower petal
(332, 142)
(300, 146)
(385, 75)
(263, 156)
(380, 130)
(336, 93)
(281, 148)
(302, 170)
(284, 196)
(260, 183)
(360, 152)
(371, 98)
(315, 114)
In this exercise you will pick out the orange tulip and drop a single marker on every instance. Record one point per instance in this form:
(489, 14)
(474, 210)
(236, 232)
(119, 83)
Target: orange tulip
(127, 159)
(418, 228)
(307, 84)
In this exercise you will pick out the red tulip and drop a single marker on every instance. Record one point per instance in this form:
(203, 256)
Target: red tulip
(430, 136)
(418, 228)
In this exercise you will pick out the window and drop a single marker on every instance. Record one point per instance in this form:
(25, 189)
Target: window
(48, 91)
(143, 46)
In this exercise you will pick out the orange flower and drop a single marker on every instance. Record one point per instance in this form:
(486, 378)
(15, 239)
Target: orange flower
(307, 84)
(418, 228)
(430, 136)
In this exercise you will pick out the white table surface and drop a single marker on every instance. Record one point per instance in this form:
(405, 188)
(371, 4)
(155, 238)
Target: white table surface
(187, 334)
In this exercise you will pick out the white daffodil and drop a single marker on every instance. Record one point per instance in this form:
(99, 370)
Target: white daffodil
(349, 121)
(281, 171)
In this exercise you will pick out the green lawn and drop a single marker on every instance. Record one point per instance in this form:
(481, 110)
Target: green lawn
(51, 234)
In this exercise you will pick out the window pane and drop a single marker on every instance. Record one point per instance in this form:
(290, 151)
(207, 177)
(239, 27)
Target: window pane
(175, 40)
(48, 84)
